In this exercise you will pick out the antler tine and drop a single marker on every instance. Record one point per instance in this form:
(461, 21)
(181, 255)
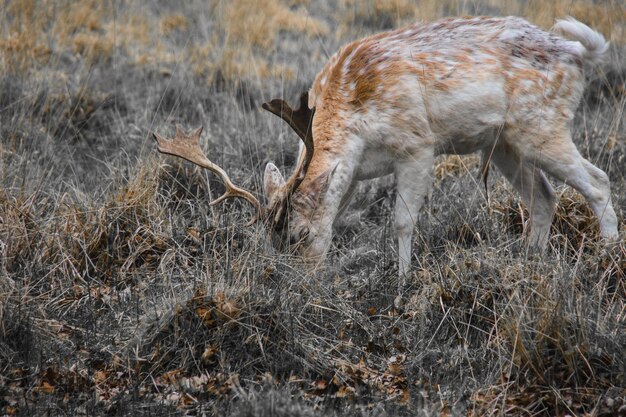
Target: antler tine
(187, 146)
(300, 121)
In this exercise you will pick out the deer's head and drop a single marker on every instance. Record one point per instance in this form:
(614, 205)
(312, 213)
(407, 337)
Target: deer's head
(289, 211)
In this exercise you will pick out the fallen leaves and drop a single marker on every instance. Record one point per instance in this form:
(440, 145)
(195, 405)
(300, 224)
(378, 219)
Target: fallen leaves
(349, 379)
(214, 311)
(517, 396)
(178, 390)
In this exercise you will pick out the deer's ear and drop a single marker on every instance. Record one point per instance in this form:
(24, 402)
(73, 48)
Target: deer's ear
(273, 181)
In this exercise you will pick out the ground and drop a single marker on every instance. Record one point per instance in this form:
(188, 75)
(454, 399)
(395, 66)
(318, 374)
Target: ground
(122, 292)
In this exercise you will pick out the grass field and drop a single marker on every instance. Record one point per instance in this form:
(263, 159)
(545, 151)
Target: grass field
(123, 293)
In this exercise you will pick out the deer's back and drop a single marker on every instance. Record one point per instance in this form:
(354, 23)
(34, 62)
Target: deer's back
(453, 82)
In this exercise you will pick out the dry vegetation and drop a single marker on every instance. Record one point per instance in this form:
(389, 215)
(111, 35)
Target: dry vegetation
(122, 292)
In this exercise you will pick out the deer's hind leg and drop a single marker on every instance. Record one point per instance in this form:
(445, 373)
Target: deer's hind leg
(555, 153)
(534, 188)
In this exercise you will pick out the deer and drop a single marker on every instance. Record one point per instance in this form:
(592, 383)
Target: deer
(391, 102)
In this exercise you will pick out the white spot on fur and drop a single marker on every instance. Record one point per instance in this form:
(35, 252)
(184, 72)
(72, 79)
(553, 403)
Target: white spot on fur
(346, 63)
(509, 35)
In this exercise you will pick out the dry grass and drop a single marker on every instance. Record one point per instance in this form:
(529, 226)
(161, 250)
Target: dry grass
(607, 16)
(122, 292)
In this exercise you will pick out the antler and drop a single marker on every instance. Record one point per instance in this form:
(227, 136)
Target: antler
(300, 121)
(187, 146)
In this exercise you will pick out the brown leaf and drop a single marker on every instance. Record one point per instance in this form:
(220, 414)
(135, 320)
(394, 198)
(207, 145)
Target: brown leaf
(46, 388)
(194, 234)
(185, 400)
(206, 315)
(228, 310)
(611, 141)
(405, 397)
(208, 354)
(345, 391)
(99, 377)
(171, 376)
(320, 384)
(395, 368)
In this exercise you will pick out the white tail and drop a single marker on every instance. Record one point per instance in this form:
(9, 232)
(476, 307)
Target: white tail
(391, 102)
(592, 45)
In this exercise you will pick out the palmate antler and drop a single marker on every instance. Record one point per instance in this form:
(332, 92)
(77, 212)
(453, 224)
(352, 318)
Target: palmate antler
(187, 146)
(300, 121)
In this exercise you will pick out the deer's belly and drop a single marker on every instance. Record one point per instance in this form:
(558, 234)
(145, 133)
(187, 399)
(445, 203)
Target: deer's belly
(460, 144)
(375, 162)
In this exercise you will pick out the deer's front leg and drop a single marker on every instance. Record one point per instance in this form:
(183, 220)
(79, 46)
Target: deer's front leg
(335, 195)
(413, 178)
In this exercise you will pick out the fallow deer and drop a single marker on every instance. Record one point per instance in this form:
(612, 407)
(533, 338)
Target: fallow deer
(391, 102)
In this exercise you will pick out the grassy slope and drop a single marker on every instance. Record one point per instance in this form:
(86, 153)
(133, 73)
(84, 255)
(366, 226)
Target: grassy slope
(122, 292)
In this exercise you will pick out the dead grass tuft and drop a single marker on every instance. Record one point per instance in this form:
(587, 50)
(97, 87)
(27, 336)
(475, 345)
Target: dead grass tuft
(455, 166)
(554, 362)
(174, 22)
(379, 13)
(254, 23)
(18, 231)
(93, 46)
(574, 222)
